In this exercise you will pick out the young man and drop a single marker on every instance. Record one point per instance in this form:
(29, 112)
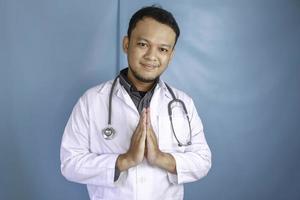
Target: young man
(120, 139)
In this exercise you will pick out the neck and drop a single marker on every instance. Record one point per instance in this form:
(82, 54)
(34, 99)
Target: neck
(140, 85)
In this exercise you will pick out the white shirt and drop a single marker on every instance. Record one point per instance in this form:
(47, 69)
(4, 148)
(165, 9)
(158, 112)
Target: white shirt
(88, 158)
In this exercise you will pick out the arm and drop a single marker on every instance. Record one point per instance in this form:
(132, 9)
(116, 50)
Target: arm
(78, 163)
(195, 162)
(185, 167)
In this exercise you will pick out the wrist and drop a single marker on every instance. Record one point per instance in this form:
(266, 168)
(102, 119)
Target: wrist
(158, 159)
(166, 161)
(124, 162)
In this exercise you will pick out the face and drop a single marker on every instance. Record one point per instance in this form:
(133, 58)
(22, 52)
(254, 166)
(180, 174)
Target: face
(149, 50)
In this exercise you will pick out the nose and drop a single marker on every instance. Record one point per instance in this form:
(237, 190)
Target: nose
(151, 54)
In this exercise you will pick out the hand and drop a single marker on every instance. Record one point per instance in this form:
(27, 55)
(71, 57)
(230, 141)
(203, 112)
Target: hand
(135, 153)
(152, 151)
(153, 154)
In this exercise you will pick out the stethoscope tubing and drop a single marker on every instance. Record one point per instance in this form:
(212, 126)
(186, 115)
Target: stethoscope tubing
(109, 132)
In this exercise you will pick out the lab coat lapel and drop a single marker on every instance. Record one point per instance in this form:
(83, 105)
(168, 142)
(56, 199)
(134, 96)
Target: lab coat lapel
(160, 95)
(124, 97)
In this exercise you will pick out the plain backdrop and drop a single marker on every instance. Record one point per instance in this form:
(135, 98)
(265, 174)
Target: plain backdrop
(239, 60)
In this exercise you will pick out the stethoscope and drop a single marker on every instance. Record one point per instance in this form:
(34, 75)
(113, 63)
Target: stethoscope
(109, 132)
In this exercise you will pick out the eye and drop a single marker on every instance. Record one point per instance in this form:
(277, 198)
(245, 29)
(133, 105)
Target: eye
(142, 44)
(164, 50)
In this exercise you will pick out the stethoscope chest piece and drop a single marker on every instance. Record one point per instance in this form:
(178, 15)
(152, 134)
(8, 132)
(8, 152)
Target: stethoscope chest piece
(108, 133)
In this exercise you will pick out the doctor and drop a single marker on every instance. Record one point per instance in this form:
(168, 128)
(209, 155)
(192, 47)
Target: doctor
(120, 139)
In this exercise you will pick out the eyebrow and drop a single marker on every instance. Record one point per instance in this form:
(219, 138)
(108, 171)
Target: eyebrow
(164, 45)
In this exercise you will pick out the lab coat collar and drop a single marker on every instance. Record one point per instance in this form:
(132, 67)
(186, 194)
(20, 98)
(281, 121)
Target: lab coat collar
(160, 85)
(121, 93)
(163, 86)
(118, 90)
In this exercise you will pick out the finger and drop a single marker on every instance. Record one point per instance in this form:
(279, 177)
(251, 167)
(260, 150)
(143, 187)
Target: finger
(148, 122)
(142, 117)
(145, 150)
(149, 118)
(140, 125)
(148, 114)
(144, 127)
(143, 137)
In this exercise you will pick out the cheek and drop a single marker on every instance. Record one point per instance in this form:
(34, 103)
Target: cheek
(165, 60)
(135, 54)
(134, 58)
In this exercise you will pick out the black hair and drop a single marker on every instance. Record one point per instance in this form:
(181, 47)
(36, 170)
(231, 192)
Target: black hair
(157, 13)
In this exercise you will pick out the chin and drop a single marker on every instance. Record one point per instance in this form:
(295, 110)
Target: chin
(146, 79)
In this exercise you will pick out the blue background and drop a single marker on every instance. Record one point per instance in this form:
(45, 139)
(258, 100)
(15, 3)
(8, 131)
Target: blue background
(239, 60)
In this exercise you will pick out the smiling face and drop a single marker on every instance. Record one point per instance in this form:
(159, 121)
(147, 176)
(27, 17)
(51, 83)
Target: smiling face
(149, 51)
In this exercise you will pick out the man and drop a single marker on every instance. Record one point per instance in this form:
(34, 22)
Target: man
(120, 140)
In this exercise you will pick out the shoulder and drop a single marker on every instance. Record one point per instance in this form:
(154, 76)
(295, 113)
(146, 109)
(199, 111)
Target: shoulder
(187, 99)
(183, 96)
(178, 93)
(96, 92)
(98, 89)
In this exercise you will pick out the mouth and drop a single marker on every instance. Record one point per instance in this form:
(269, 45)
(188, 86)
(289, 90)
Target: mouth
(149, 67)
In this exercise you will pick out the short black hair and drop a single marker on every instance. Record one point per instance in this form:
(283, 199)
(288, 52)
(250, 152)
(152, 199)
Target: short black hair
(157, 13)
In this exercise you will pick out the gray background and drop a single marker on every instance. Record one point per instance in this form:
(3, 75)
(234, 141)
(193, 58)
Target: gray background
(239, 60)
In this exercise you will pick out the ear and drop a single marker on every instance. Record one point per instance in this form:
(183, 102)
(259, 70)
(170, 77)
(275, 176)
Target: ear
(125, 44)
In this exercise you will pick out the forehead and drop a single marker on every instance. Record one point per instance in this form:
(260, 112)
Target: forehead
(154, 31)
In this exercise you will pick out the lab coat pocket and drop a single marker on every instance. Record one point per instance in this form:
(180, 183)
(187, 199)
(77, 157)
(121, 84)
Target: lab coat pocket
(166, 137)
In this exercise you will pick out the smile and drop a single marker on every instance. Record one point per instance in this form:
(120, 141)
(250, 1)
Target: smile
(149, 66)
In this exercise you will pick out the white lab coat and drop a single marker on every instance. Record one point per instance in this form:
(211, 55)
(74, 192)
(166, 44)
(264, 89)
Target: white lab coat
(87, 158)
